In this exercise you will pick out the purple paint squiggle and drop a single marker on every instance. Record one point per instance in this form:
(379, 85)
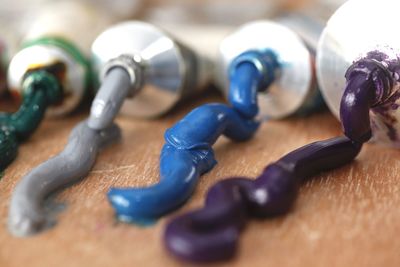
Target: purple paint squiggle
(211, 233)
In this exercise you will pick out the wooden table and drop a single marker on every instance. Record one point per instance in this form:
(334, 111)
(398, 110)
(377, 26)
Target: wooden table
(347, 217)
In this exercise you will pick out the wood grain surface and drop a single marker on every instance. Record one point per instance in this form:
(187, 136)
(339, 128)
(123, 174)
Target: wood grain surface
(347, 217)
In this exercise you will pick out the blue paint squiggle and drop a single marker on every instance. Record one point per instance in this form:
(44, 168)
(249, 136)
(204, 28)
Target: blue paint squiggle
(186, 155)
(250, 73)
(188, 151)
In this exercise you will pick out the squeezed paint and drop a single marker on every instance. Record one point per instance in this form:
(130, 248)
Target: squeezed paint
(109, 98)
(211, 234)
(369, 104)
(41, 89)
(27, 214)
(188, 151)
(186, 155)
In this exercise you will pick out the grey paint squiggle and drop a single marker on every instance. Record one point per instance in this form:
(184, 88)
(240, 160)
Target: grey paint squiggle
(109, 98)
(26, 214)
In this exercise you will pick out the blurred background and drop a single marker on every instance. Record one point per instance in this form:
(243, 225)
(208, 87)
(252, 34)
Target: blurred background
(16, 16)
(205, 11)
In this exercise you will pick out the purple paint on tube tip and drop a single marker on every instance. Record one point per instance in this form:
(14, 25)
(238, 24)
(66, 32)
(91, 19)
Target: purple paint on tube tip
(369, 84)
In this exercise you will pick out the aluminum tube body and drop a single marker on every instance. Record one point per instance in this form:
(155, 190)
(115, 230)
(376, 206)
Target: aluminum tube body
(59, 40)
(170, 70)
(357, 28)
(294, 86)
